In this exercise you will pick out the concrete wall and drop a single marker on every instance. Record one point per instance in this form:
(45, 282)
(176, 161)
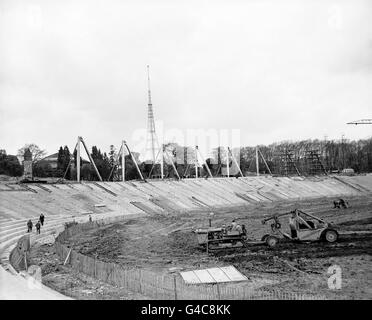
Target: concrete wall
(137, 197)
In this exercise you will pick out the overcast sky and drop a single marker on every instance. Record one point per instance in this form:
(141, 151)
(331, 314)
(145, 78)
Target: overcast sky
(275, 70)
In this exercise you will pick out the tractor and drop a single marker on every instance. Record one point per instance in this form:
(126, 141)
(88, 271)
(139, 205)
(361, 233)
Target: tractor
(221, 238)
(304, 227)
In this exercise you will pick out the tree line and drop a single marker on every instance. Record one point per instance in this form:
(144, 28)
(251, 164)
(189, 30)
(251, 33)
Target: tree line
(106, 165)
(308, 157)
(9, 165)
(334, 155)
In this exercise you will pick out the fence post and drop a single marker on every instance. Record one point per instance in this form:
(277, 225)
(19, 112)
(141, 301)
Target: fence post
(26, 260)
(68, 256)
(95, 268)
(218, 291)
(140, 280)
(175, 287)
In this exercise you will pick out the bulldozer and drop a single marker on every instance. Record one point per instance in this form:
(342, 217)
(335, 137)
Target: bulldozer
(307, 227)
(221, 237)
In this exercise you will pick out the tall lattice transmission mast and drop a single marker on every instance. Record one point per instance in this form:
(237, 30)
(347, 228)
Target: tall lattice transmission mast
(151, 135)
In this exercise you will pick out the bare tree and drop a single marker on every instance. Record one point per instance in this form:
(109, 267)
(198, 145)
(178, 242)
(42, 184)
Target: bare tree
(37, 153)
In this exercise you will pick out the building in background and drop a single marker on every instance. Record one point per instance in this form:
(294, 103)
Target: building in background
(27, 165)
(52, 160)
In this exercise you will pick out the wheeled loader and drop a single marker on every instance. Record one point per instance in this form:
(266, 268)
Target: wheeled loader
(307, 227)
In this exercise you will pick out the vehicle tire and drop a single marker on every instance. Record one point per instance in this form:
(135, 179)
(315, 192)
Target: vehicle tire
(330, 236)
(272, 241)
(263, 239)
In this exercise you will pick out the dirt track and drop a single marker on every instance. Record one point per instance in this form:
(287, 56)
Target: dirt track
(159, 242)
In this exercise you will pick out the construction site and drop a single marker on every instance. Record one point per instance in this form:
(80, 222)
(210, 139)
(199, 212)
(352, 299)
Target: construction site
(239, 172)
(194, 236)
(141, 239)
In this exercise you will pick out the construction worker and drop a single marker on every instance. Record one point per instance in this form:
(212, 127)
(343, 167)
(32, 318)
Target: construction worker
(90, 218)
(236, 227)
(29, 226)
(38, 226)
(343, 203)
(41, 219)
(336, 204)
(234, 224)
(294, 224)
(340, 203)
(239, 228)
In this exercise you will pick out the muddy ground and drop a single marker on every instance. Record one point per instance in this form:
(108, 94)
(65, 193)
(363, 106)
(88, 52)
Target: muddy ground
(74, 284)
(159, 242)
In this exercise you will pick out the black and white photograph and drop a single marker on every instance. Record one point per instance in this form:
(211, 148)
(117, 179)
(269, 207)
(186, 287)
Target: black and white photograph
(165, 151)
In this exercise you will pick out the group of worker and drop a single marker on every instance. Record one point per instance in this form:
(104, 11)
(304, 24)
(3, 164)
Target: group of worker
(38, 224)
(236, 227)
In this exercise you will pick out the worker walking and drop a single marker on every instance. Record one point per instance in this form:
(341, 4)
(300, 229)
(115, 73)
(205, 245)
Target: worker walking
(29, 226)
(38, 226)
(41, 219)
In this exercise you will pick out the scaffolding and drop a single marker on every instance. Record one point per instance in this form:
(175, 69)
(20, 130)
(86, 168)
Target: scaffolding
(287, 165)
(313, 164)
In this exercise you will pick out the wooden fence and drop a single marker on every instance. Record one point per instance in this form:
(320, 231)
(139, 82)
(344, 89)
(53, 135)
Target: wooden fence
(155, 285)
(18, 257)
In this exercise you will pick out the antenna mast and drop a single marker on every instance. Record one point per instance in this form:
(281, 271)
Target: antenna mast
(148, 84)
(151, 135)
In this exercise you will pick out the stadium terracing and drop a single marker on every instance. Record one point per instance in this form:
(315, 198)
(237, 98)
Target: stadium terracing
(65, 202)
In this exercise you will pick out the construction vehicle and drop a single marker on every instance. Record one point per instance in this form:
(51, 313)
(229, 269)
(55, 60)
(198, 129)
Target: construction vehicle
(307, 228)
(221, 238)
(340, 204)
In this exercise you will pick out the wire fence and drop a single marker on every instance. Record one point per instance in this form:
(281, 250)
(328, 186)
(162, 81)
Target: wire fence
(155, 285)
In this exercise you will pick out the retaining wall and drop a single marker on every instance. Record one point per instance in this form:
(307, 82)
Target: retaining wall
(18, 256)
(171, 196)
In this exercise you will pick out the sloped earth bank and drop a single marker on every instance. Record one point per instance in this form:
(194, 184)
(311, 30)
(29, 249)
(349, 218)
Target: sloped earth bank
(159, 242)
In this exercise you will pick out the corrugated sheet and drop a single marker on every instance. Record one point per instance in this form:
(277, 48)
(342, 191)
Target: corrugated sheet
(213, 275)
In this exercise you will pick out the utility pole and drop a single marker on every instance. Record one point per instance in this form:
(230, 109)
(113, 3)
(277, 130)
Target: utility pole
(134, 161)
(343, 150)
(204, 162)
(172, 163)
(91, 159)
(263, 158)
(161, 161)
(227, 163)
(78, 155)
(236, 163)
(122, 161)
(196, 163)
(257, 167)
(78, 160)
